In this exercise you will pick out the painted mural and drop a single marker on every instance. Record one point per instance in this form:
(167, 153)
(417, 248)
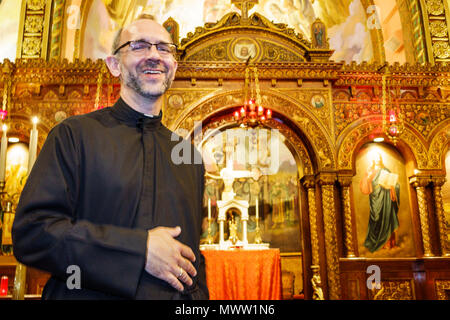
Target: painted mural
(9, 17)
(346, 21)
(382, 208)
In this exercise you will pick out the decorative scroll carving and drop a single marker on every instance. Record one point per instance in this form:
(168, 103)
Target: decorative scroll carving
(439, 38)
(393, 290)
(234, 19)
(274, 41)
(442, 289)
(282, 105)
(316, 284)
(358, 133)
(438, 29)
(437, 148)
(435, 7)
(34, 29)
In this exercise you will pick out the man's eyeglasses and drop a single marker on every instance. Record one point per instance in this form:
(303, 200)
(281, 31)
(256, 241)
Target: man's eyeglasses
(141, 46)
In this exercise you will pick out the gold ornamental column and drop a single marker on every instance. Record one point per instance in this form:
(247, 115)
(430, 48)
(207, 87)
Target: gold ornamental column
(419, 183)
(34, 29)
(345, 182)
(326, 182)
(309, 184)
(438, 204)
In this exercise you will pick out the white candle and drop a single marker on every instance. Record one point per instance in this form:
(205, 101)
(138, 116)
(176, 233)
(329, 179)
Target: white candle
(4, 146)
(32, 151)
(257, 213)
(209, 208)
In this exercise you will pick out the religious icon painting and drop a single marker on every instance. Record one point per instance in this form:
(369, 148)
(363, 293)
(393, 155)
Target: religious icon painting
(382, 204)
(244, 48)
(319, 35)
(318, 101)
(176, 101)
(173, 28)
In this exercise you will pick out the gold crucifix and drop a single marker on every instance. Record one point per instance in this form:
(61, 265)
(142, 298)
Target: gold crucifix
(244, 6)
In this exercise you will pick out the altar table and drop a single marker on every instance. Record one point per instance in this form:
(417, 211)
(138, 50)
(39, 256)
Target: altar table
(243, 274)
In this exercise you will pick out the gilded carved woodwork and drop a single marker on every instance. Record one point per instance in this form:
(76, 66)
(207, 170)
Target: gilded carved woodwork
(362, 129)
(279, 104)
(312, 209)
(309, 183)
(345, 182)
(440, 214)
(34, 29)
(236, 38)
(402, 289)
(178, 102)
(442, 289)
(318, 102)
(437, 147)
(326, 182)
(436, 15)
(420, 183)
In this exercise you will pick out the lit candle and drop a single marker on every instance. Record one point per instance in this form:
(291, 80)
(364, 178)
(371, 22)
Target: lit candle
(4, 286)
(209, 208)
(4, 145)
(257, 212)
(33, 144)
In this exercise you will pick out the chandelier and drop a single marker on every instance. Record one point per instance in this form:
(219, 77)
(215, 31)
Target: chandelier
(252, 113)
(393, 119)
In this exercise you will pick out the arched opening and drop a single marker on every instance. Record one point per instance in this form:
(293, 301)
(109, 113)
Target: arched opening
(264, 166)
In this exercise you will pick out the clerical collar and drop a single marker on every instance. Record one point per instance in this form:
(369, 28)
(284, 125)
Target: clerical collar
(122, 111)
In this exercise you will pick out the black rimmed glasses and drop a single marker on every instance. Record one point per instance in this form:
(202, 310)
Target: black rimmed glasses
(141, 46)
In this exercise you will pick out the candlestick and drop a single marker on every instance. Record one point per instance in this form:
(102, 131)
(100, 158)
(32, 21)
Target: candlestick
(33, 144)
(4, 286)
(4, 146)
(257, 210)
(209, 208)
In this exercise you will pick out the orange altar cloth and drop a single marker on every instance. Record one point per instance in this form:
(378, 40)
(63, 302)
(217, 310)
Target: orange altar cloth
(243, 274)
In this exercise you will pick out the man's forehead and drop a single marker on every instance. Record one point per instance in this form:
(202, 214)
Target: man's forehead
(145, 29)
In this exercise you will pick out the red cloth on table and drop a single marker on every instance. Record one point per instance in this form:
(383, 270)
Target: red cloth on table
(243, 274)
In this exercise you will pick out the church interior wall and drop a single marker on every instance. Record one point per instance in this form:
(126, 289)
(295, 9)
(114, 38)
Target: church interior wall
(329, 138)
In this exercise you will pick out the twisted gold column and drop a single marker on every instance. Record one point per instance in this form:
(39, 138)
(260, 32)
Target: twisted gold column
(309, 184)
(57, 26)
(345, 182)
(419, 183)
(326, 182)
(443, 232)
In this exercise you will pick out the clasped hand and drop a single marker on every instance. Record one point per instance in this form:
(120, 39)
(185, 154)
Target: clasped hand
(168, 259)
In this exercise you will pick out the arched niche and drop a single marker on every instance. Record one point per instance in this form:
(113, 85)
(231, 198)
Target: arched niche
(376, 208)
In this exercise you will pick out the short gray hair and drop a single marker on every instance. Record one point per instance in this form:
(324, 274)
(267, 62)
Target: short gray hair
(116, 41)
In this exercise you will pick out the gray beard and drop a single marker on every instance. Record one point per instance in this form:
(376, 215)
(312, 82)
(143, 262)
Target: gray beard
(135, 83)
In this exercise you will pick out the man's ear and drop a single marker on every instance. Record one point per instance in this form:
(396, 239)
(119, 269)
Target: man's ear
(113, 65)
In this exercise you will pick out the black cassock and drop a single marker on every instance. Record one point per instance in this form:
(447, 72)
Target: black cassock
(99, 183)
